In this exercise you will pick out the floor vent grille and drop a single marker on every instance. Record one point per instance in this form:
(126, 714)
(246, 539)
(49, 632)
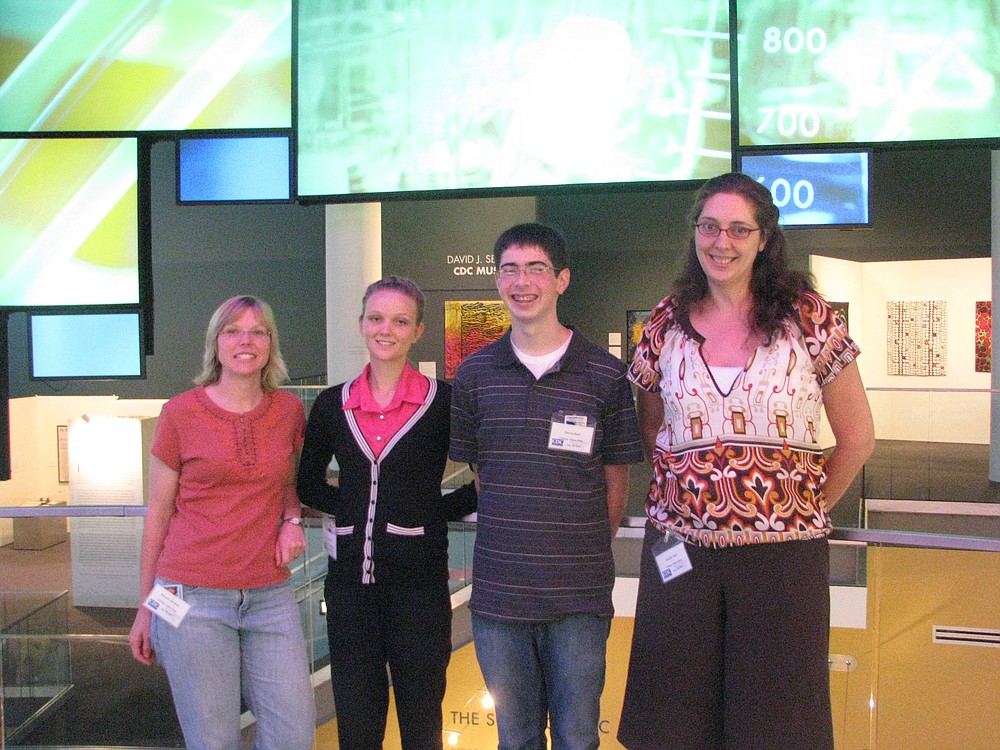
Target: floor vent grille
(960, 636)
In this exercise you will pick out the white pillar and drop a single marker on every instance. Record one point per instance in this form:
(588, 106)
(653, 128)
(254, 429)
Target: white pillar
(353, 261)
(995, 365)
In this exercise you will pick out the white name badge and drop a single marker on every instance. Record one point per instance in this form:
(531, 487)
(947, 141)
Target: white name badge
(166, 605)
(671, 557)
(330, 536)
(572, 435)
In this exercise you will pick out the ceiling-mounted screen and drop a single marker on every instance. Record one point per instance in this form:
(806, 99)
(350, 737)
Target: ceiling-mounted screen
(68, 222)
(130, 65)
(398, 99)
(814, 189)
(237, 169)
(86, 345)
(823, 72)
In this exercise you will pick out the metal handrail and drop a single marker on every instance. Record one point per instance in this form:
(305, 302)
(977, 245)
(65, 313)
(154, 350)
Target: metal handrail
(71, 511)
(71, 637)
(916, 539)
(630, 526)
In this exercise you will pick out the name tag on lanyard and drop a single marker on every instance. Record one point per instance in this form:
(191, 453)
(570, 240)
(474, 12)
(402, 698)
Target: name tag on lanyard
(671, 557)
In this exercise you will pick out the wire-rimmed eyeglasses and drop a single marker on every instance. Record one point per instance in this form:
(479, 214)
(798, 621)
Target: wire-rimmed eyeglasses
(531, 270)
(735, 231)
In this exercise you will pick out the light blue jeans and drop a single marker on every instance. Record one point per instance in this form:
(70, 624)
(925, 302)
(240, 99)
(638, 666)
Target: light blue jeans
(237, 643)
(540, 673)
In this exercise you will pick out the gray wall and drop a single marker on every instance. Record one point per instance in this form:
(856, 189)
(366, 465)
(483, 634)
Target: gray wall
(625, 247)
(419, 236)
(201, 256)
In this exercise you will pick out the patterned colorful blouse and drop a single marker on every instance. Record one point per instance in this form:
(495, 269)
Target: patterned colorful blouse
(742, 466)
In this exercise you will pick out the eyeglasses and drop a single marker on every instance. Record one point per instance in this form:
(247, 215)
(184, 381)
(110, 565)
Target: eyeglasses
(255, 334)
(735, 231)
(532, 270)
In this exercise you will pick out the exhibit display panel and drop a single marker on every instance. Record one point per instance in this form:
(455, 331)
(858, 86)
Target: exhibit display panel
(422, 97)
(823, 72)
(130, 65)
(86, 345)
(69, 219)
(813, 188)
(234, 169)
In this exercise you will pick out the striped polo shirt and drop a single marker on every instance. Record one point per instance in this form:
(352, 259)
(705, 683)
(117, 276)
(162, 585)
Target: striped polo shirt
(543, 541)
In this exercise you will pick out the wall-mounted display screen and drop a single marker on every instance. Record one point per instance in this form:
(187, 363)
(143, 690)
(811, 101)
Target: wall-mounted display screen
(86, 345)
(434, 95)
(819, 72)
(68, 222)
(130, 65)
(814, 189)
(248, 169)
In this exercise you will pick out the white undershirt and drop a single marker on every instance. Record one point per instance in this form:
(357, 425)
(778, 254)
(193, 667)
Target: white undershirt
(725, 377)
(543, 363)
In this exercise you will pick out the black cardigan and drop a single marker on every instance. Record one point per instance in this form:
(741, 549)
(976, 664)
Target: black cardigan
(391, 516)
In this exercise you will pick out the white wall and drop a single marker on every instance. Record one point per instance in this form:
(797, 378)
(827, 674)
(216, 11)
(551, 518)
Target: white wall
(954, 407)
(353, 261)
(34, 448)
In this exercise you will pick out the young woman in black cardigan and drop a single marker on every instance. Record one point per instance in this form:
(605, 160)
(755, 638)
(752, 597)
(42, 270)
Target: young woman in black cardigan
(387, 587)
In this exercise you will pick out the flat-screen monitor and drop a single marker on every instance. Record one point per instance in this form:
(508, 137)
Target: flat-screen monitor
(236, 169)
(817, 72)
(414, 99)
(94, 345)
(814, 189)
(131, 65)
(68, 222)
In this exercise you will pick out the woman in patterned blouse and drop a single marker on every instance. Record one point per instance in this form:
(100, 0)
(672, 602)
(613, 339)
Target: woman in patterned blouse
(732, 371)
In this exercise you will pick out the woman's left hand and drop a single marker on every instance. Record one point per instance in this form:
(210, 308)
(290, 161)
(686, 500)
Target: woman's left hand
(291, 543)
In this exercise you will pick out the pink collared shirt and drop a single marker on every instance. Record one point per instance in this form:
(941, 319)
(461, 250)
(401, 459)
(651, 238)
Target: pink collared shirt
(378, 425)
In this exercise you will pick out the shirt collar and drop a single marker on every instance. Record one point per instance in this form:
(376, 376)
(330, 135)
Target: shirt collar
(574, 360)
(412, 389)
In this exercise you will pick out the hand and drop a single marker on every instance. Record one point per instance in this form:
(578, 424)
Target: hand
(139, 638)
(291, 544)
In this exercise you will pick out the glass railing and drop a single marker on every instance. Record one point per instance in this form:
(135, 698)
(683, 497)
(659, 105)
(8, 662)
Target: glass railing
(67, 674)
(914, 651)
(34, 663)
(918, 667)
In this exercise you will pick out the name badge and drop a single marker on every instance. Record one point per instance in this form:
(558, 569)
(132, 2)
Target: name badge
(671, 557)
(570, 432)
(330, 536)
(167, 605)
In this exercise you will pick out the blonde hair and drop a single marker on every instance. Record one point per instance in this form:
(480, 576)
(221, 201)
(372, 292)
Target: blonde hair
(275, 372)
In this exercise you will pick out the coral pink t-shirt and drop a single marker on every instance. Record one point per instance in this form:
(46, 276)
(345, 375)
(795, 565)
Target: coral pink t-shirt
(234, 472)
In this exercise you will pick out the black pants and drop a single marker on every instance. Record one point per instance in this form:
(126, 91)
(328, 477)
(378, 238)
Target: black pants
(732, 655)
(408, 629)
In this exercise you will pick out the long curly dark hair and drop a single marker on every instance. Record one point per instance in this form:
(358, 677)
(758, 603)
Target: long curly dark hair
(773, 285)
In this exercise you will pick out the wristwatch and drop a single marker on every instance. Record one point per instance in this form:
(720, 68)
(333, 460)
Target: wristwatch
(295, 521)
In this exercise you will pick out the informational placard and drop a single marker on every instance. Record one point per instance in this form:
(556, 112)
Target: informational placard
(106, 461)
(108, 465)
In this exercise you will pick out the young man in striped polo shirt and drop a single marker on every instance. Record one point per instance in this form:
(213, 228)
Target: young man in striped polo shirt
(548, 420)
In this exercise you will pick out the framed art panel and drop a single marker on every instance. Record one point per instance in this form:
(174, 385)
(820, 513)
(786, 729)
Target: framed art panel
(635, 321)
(468, 327)
(984, 336)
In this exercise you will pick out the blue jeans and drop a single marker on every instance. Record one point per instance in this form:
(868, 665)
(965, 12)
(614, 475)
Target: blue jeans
(237, 643)
(544, 672)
